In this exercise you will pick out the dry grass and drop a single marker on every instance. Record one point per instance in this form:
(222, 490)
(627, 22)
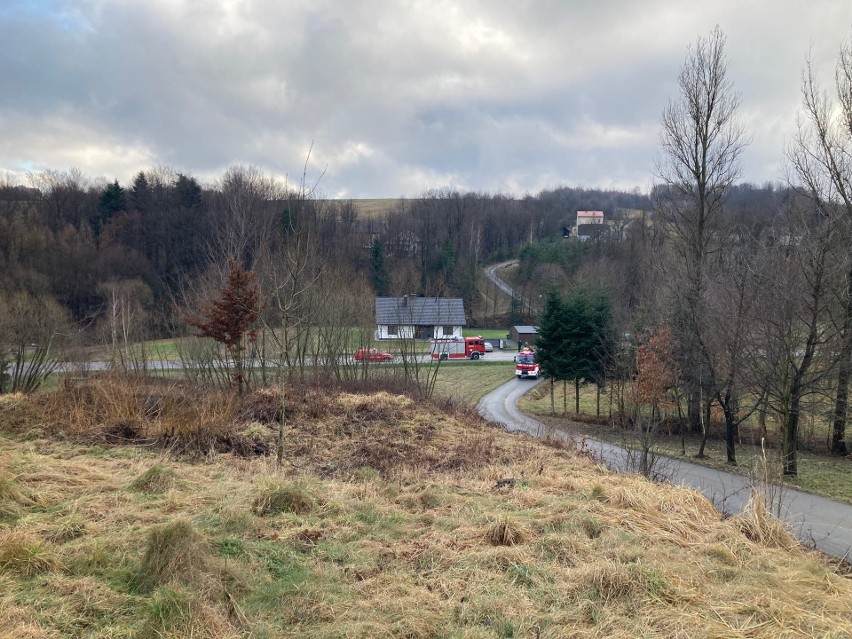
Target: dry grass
(277, 498)
(155, 480)
(504, 533)
(388, 523)
(24, 555)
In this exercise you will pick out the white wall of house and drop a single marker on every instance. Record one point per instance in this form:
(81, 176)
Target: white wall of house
(454, 331)
(399, 331)
(384, 331)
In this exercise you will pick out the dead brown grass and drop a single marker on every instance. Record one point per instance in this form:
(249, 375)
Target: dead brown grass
(22, 554)
(175, 552)
(504, 533)
(401, 543)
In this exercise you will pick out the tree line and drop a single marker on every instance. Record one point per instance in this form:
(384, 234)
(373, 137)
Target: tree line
(749, 288)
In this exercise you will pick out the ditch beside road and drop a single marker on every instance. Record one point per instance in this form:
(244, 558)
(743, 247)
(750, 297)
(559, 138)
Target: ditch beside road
(814, 520)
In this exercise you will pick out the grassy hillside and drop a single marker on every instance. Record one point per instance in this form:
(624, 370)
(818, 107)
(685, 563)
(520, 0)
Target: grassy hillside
(388, 519)
(371, 208)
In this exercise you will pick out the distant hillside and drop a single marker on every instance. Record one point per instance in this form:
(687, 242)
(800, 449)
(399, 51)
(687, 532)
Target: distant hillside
(390, 518)
(376, 208)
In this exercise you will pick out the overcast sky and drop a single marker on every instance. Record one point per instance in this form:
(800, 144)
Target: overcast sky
(397, 97)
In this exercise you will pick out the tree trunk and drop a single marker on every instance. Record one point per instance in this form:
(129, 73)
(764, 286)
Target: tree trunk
(838, 429)
(552, 401)
(598, 400)
(577, 396)
(730, 433)
(791, 440)
(282, 421)
(564, 396)
(694, 411)
(704, 419)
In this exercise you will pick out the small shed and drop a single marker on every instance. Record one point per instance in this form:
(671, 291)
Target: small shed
(522, 334)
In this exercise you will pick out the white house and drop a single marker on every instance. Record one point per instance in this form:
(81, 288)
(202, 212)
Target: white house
(413, 317)
(589, 225)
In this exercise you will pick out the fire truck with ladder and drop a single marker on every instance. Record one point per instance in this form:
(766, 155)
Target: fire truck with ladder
(526, 364)
(458, 348)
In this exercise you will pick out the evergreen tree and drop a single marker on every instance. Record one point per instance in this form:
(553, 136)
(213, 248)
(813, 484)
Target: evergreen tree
(188, 192)
(551, 342)
(140, 194)
(112, 201)
(378, 268)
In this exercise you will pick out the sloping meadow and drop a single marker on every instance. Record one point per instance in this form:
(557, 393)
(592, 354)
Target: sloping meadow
(389, 518)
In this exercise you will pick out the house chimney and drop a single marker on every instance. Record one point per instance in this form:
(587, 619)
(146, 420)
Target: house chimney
(405, 300)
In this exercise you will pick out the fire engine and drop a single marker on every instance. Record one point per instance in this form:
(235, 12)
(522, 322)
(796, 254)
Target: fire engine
(526, 365)
(458, 348)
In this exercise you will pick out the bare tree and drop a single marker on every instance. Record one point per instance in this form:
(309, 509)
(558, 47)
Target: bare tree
(33, 332)
(820, 161)
(702, 140)
(798, 278)
(248, 201)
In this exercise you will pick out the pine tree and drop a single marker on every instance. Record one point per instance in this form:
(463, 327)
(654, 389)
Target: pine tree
(112, 201)
(551, 342)
(378, 268)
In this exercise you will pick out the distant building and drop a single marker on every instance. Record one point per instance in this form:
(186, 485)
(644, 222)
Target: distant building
(585, 220)
(523, 334)
(412, 317)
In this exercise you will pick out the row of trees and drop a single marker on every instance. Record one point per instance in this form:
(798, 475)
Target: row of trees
(755, 301)
(577, 340)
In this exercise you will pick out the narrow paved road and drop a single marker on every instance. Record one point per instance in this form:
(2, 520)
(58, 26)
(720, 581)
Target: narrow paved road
(492, 274)
(814, 520)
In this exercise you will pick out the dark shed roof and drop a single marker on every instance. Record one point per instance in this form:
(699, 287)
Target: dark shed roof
(420, 311)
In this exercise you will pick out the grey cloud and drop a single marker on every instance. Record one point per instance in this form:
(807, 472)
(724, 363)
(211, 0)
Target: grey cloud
(395, 97)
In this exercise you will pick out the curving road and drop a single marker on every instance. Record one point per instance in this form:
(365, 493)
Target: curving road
(814, 520)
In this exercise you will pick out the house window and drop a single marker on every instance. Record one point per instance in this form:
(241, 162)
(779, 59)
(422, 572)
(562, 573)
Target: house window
(447, 330)
(393, 330)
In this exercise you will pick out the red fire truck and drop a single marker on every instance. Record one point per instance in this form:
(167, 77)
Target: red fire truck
(526, 364)
(458, 348)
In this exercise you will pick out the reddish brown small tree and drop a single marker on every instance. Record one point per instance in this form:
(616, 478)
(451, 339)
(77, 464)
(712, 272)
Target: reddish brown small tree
(656, 372)
(231, 316)
(656, 375)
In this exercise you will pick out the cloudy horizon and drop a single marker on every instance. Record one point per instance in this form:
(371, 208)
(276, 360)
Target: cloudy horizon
(390, 98)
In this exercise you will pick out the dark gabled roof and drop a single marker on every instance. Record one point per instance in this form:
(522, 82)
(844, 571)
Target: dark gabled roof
(526, 329)
(420, 311)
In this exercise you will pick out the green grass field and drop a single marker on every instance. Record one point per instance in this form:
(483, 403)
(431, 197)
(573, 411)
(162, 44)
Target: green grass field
(468, 382)
(819, 473)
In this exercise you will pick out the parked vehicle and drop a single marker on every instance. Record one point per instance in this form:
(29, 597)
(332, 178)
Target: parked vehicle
(458, 348)
(372, 355)
(489, 347)
(526, 364)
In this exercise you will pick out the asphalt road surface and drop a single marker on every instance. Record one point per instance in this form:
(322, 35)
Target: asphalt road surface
(814, 520)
